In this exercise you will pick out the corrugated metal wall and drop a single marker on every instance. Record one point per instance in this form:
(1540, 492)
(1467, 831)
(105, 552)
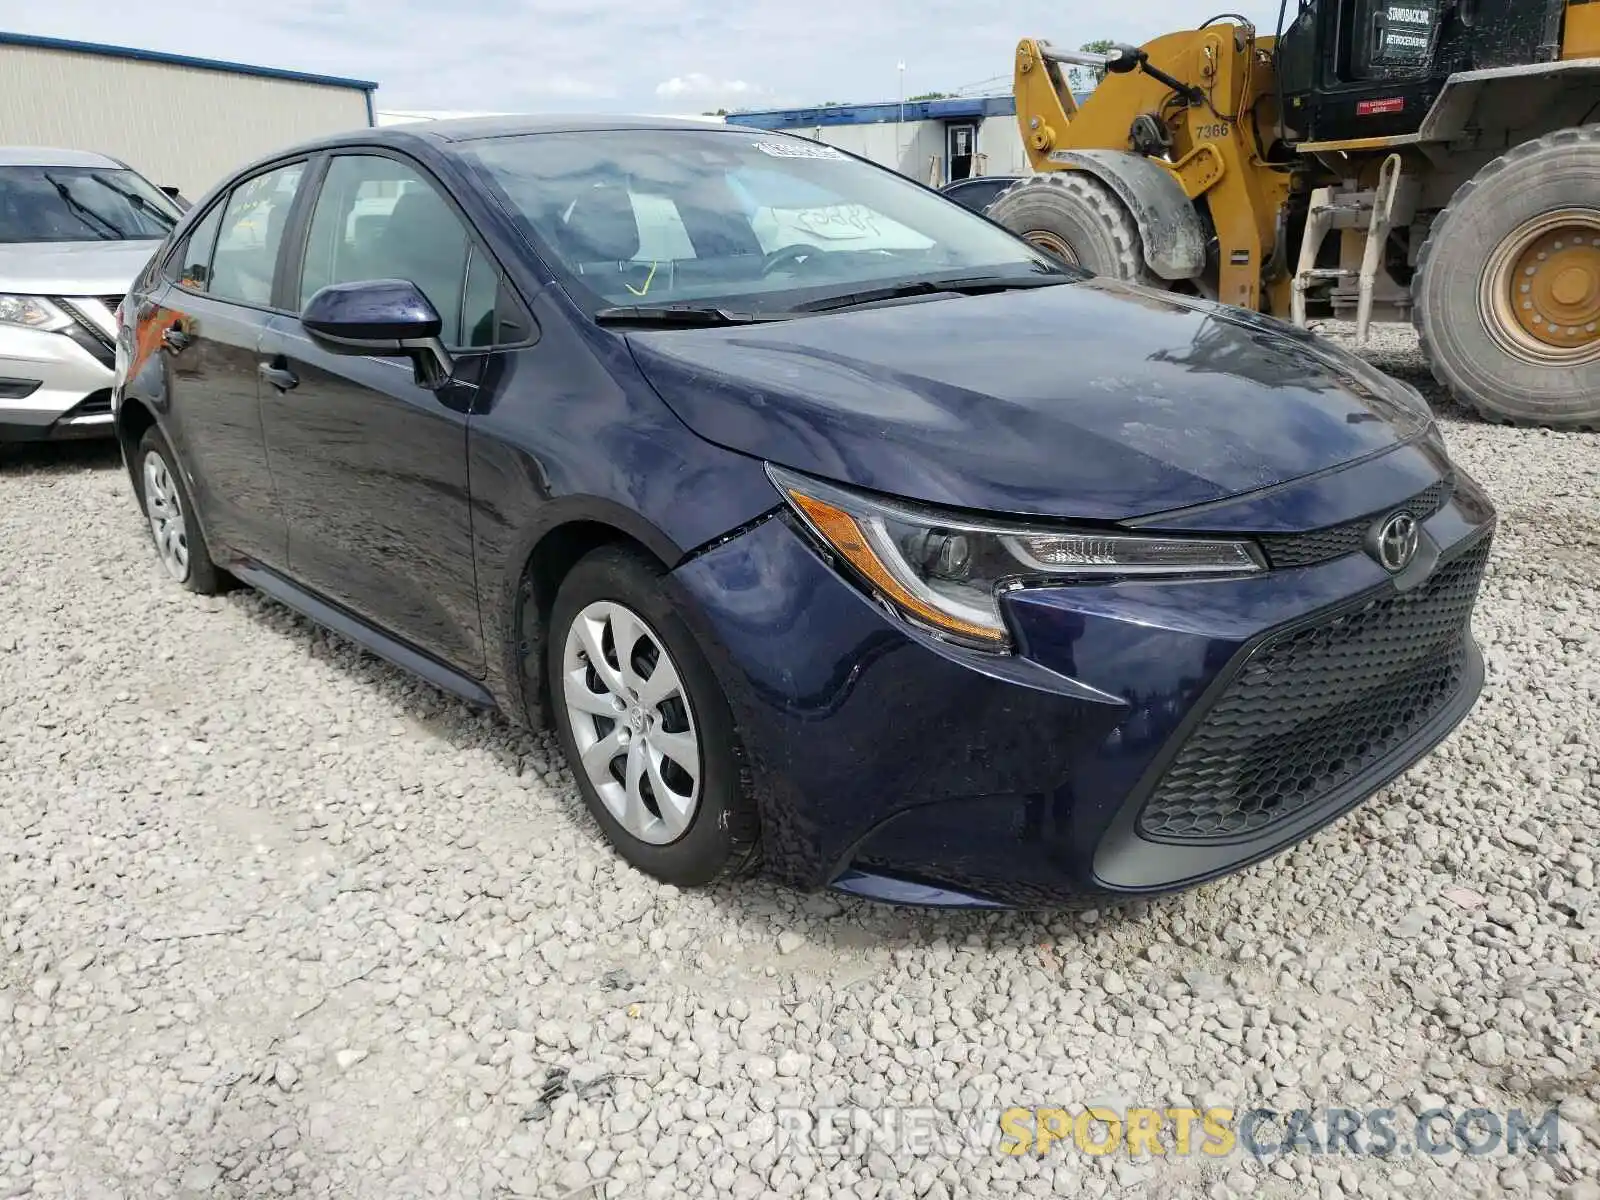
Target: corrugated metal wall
(176, 124)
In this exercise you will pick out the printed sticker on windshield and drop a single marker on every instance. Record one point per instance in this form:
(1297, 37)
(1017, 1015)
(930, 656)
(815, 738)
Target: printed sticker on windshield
(797, 150)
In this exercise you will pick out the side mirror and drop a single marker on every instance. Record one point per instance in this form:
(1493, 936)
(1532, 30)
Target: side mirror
(390, 318)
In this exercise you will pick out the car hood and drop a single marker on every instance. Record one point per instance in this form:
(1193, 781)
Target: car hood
(72, 268)
(1095, 400)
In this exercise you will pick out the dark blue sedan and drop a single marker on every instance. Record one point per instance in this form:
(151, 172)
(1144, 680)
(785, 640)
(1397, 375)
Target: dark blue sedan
(830, 526)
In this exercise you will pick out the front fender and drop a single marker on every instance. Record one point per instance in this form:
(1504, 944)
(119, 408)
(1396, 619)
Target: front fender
(1170, 227)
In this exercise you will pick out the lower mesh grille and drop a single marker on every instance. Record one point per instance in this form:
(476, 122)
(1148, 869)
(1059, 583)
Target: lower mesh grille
(1313, 708)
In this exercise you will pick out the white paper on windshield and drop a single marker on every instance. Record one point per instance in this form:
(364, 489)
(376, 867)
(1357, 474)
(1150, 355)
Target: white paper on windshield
(797, 150)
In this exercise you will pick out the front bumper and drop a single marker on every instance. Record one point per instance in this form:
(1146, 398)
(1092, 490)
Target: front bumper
(55, 385)
(891, 765)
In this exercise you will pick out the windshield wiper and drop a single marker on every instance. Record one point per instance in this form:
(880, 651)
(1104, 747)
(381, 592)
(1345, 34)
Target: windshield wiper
(138, 201)
(964, 285)
(681, 314)
(84, 211)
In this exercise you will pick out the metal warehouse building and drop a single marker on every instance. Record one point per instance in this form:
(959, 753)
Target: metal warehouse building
(179, 121)
(936, 141)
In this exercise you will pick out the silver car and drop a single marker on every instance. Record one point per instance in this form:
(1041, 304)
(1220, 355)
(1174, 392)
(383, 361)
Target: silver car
(75, 228)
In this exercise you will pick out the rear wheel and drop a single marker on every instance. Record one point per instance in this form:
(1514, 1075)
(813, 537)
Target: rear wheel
(1076, 218)
(173, 528)
(1507, 290)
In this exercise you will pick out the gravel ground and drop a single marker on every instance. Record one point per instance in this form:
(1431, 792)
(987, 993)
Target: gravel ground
(276, 919)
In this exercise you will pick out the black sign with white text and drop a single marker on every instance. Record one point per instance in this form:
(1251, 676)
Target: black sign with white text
(1403, 32)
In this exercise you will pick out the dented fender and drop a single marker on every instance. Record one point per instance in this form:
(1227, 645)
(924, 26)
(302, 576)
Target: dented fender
(1170, 227)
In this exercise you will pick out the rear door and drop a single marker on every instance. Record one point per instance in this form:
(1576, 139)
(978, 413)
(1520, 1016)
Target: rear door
(207, 323)
(371, 467)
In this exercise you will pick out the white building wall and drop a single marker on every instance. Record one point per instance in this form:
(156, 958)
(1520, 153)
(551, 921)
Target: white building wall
(176, 125)
(917, 148)
(1000, 145)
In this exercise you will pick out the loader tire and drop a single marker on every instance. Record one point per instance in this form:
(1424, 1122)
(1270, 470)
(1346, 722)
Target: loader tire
(1074, 217)
(1506, 296)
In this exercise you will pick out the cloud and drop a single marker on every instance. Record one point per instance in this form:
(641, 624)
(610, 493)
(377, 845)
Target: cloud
(570, 87)
(576, 55)
(698, 86)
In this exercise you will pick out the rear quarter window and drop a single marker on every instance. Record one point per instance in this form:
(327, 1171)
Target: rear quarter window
(190, 263)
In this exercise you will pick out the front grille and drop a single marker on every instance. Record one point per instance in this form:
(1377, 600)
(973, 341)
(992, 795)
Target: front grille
(1314, 707)
(1320, 545)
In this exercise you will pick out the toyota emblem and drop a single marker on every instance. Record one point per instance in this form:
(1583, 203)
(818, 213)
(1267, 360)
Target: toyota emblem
(1396, 542)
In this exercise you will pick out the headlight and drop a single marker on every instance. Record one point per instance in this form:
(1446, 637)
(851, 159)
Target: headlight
(946, 572)
(32, 312)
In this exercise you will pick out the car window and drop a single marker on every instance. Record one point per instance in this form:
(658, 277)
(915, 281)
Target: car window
(252, 230)
(191, 265)
(378, 218)
(479, 302)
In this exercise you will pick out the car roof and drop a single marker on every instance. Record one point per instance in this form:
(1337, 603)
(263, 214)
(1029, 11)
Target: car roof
(47, 156)
(455, 130)
(463, 129)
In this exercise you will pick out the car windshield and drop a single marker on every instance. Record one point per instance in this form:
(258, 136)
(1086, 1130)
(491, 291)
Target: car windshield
(742, 219)
(81, 204)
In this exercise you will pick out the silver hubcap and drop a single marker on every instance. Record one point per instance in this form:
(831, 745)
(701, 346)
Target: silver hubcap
(632, 722)
(165, 511)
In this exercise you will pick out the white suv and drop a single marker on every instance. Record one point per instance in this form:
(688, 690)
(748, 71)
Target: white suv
(75, 228)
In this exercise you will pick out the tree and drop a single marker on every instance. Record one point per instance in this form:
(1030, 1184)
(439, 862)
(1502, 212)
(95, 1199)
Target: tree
(721, 112)
(930, 96)
(1085, 79)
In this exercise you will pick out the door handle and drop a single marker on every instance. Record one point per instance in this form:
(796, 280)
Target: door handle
(278, 376)
(174, 338)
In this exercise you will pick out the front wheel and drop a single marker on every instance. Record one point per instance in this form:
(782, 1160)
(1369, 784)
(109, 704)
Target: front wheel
(1507, 290)
(645, 726)
(1077, 219)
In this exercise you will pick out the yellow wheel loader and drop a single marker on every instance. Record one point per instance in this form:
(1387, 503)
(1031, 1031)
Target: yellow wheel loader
(1436, 161)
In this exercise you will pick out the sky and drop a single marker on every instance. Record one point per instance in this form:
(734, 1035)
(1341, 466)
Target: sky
(664, 56)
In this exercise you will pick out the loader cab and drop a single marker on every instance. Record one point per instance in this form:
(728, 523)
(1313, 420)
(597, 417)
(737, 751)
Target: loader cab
(1372, 68)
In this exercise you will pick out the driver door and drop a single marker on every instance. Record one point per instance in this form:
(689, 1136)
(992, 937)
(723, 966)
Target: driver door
(371, 467)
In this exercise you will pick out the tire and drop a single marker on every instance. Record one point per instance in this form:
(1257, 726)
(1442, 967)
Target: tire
(1075, 217)
(169, 512)
(715, 834)
(1467, 292)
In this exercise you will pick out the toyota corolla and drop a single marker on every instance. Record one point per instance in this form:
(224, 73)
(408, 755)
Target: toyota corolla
(830, 526)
